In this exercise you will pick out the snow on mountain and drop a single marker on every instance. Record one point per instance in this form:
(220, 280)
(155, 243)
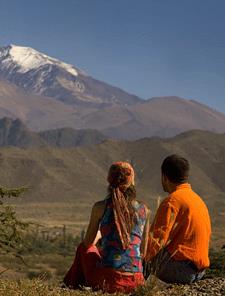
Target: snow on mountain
(28, 59)
(43, 75)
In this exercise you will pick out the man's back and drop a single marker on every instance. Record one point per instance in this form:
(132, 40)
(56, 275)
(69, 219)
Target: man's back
(191, 230)
(181, 229)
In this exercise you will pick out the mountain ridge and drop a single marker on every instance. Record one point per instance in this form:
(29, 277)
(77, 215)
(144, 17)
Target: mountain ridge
(44, 95)
(47, 76)
(79, 175)
(13, 132)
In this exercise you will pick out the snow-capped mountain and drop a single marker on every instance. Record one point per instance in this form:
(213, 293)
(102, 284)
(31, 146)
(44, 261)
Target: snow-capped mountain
(44, 75)
(28, 59)
(46, 93)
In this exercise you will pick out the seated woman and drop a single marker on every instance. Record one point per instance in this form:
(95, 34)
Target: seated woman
(122, 223)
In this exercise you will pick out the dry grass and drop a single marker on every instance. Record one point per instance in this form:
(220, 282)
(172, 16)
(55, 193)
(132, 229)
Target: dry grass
(36, 287)
(74, 215)
(56, 266)
(41, 288)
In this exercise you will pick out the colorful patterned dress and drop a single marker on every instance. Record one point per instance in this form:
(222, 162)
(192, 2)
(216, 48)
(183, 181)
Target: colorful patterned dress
(110, 268)
(112, 253)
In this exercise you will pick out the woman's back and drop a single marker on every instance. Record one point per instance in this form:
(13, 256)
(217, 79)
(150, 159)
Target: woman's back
(124, 226)
(113, 254)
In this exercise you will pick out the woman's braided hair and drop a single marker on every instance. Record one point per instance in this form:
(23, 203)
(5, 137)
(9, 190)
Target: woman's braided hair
(122, 190)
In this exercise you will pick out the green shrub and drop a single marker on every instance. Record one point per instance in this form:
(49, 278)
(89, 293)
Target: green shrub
(11, 229)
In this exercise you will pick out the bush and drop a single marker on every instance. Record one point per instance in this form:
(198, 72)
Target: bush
(40, 241)
(11, 229)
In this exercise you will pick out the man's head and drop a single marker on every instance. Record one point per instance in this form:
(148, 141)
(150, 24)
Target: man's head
(175, 171)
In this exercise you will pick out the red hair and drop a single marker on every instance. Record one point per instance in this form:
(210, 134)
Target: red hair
(120, 178)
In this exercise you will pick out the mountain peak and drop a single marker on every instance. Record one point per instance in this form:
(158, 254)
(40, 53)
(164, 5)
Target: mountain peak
(27, 58)
(43, 75)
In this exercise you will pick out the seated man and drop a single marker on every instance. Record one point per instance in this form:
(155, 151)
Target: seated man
(180, 232)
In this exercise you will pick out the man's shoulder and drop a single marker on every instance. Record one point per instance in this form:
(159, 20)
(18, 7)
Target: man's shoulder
(186, 197)
(176, 199)
(169, 202)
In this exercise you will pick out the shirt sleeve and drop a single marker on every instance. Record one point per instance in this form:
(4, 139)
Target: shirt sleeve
(161, 227)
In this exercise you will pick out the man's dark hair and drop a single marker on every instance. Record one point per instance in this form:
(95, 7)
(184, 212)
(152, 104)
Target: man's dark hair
(175, 168)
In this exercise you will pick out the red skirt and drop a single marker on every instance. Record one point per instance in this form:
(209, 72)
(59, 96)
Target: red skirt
(86, 271)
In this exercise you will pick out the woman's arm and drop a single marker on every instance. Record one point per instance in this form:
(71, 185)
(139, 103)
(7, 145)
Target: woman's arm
(92, 235)
(97, 238)
(145, 236)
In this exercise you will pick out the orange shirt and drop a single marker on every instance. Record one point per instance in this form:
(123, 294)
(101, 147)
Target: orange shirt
(182, 225)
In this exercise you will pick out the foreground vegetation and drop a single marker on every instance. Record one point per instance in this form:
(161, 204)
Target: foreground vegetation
(34, 288)
(209, 287)
(42, 272)
(34, 260)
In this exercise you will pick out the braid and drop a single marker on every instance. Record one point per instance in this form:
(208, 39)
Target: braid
(130, 195)
(121, 180)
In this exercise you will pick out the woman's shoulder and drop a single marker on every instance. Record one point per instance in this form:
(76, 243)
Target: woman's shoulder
(99, 208)
(100, 204)
(143, 206)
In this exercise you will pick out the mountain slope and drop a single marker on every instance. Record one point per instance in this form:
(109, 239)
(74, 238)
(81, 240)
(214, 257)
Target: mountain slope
(35, 111)
(81, 169)
(47, 76)
(75, 178)
(165, 117)
(46, 93)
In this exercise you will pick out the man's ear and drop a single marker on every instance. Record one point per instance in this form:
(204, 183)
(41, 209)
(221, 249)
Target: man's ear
(164, 178)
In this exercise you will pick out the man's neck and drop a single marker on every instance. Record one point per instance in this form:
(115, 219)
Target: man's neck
(173, 186)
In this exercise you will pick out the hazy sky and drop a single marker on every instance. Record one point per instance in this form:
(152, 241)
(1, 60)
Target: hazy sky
(147, 47)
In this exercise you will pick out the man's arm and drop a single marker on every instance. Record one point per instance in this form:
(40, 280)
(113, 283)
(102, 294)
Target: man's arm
(161, 227)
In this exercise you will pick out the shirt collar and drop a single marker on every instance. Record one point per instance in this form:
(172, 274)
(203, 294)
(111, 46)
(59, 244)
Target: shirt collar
(183, 185)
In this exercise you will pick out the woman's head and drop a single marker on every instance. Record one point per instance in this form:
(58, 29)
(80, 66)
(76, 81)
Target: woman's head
(121, 175)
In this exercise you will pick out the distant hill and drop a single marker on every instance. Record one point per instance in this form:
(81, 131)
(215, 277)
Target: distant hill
(15, 133)
(68, 137)
(79, 174)
(162, 116)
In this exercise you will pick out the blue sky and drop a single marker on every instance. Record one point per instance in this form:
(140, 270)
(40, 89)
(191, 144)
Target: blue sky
(146, 47)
